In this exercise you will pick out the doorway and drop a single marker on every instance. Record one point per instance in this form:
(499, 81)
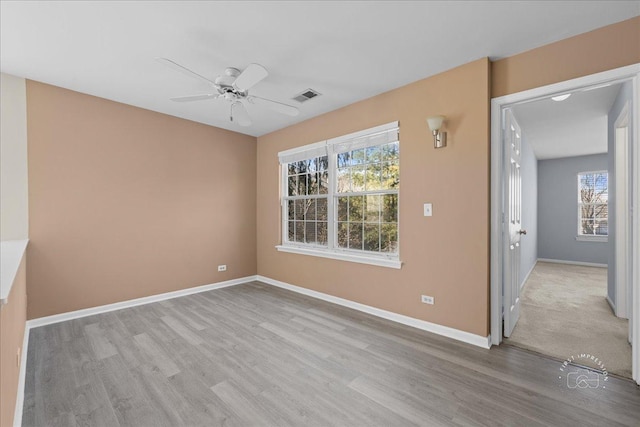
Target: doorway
(506, 297)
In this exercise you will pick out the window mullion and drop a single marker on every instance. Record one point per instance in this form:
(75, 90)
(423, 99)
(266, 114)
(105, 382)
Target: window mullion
(331, 224)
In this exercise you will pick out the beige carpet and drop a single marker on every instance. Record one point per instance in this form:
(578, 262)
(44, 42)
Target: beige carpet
(564, 313)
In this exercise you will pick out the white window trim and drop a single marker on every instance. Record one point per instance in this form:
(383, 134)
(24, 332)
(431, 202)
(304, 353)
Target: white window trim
(590, 237)
(364, 258)
(330, 251)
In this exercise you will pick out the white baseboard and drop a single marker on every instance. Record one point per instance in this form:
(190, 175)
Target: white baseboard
(17, 415)
(585, 264)
(41, 321)
(456, 334)
(528, 274)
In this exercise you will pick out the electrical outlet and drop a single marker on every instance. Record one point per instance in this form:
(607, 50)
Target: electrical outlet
(428, 209)
(428, 300)
(222, 267)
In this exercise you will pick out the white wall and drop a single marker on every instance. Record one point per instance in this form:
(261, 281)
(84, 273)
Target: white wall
(624, 96)
(14, 200)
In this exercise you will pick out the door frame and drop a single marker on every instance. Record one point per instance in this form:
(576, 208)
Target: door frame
(631, 72)
(622, 244)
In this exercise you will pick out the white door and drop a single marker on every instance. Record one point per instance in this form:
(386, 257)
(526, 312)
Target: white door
(512, 225)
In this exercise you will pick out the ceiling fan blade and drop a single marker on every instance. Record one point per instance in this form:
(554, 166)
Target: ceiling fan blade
(250, 76)
(195, 97)
(169, 63)
(274, 105)
(239, 114)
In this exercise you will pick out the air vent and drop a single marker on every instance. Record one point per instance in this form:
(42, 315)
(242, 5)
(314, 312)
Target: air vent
(306, 95)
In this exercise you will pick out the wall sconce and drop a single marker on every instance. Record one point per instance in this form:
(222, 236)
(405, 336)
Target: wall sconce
(439, 138)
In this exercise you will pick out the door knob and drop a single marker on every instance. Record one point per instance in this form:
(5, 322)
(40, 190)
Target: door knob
(522, 232)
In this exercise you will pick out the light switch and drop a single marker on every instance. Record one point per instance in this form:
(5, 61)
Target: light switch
(428, 209)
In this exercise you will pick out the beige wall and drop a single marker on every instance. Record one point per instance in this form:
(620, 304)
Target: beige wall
(126, 203)
(13, 317)
(445, 256)
(600, 50)
(14, 219)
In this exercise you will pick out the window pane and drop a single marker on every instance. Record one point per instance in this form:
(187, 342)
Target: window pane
(299, 231)
(311, 210)
(312, 165)
(323, 163)
(312, 181)
(372, 208)
(292, 168)
(358, 156)
(321, 210)
(390, 151)
(389, 238)
(302, 166)
(343, 234)
(293, 185)
(357, 178)
(390, 208)
(291, 210)
(372, 175)
(302, 185)
(588, 226)
(292, 231)
(344, 180)
(586, 212)
(356, 208)
(390, 175)
(372, 237)
(343, 206)
(373, 154)
(323, 185)
(322, 233)
(310, 232)
(355, 236)
(601, 211)
(343, 159)
(602, 228)
(300, 209)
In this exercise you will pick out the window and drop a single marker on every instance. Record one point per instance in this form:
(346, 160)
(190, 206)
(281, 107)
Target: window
(593, 211)
(340, 197)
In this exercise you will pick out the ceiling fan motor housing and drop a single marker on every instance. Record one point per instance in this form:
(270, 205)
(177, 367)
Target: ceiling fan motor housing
(226, 88)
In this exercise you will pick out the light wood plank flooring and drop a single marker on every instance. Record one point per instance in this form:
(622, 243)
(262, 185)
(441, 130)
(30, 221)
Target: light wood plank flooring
(255, 355)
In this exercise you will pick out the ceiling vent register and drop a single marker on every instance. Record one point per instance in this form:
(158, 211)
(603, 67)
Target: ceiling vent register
(306, 95)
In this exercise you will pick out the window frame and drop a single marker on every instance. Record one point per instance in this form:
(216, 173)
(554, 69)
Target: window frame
(331, 250)
(581, 237)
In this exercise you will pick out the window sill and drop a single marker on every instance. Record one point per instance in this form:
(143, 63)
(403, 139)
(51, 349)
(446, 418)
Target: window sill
(380, 262)
(600, 239)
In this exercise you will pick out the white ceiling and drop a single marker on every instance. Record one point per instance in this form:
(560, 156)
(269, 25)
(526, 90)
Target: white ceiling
(576, 126)
(347, 51)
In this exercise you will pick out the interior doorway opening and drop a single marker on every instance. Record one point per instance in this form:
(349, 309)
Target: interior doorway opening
(593, 224)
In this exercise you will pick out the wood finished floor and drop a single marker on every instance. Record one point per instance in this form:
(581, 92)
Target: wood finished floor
(255, 355)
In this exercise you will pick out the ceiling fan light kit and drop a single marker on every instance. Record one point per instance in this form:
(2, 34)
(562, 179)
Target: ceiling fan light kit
(233, 87)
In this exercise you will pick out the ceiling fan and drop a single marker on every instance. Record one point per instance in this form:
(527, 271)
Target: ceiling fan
(233, 87)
